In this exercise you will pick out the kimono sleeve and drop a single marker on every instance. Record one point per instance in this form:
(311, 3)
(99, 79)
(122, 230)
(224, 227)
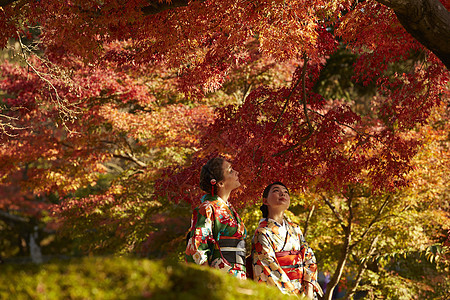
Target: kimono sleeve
(199, 245)
(266, 267)
(310, 265)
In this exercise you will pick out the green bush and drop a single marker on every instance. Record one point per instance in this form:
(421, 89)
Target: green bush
(125, 278)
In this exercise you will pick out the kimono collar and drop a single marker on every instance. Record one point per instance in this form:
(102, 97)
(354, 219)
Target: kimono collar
(283, 224)
(286, 221)
(210, 198)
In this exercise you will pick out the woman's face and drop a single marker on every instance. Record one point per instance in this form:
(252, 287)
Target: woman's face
(278, 198)
(230, 177)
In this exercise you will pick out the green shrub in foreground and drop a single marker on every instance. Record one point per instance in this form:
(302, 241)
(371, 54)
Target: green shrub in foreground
(125, 278)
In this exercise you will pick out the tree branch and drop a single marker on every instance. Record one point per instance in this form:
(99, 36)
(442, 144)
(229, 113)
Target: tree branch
(6, 126)
(64, 106)
(335, 212)
(6, 2)
(305, 109)
(155, 7)
(374, 220)
(362, 268)
(4, 215)
(286, 103)
(350, 207)
(346, 249)
(342, 124)
(286, 150)
(131, 157)
(308, 219)
(428, 21)
(302, 99)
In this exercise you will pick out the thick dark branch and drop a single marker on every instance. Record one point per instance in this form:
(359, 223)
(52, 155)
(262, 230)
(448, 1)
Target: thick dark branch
(363, 267)
(155, 7)
(375, 218)
(305, 109)
(342, 124)
(428, 21)
(350, 205)
(4, 215)
(286, 150)
(305, 231)
(345, 251)
(286, 104)
(131, 157)
(336, 213)
(311, 131)
(6, 2)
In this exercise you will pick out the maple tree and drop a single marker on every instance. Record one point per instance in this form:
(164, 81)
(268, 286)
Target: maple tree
(389, 243)
(129, 88)
(383, 232)
(48, 159)
(136, 124)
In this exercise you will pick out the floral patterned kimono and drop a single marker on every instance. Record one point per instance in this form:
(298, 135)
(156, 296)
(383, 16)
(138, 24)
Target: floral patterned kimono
(217, 236)
(271, 237)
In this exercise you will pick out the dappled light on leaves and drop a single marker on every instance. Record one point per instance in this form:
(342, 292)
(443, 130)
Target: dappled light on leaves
(108, 110)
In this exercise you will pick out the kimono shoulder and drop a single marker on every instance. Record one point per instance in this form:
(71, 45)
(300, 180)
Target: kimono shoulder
(294, 226)
(211, 206)
(207, 205)
(270, 227)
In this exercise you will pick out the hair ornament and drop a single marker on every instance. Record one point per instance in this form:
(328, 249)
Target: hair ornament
(213, 182)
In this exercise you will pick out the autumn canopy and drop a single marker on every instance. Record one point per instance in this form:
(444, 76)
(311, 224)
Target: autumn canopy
(109, 108)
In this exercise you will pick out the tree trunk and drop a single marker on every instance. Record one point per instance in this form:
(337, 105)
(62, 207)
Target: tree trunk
(362, 269)
(305, 231)
(428, 21)
(35, 248)
(340, 267)
(6, 2)
(157, 7)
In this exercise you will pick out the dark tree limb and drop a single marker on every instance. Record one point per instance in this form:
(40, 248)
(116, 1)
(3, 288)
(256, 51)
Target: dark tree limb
(304, 99)
(6, 2)
(375, 219)
(428, 21)
(362, 268)
(346, 249)
(155, 7)
(285, 105)
(336, 213)
(303, 102)
(311, 212)
(130, 157)
(12, 218)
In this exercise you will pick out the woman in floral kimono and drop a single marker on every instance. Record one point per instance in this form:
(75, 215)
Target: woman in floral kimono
(217, 234)
(281, 256)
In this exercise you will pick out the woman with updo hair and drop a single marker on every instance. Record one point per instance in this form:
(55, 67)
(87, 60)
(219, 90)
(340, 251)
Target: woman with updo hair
(217, 234)
(281, 257)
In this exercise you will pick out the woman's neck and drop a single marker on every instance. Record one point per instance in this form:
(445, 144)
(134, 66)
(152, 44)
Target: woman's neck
(224, 195)
(277, 216)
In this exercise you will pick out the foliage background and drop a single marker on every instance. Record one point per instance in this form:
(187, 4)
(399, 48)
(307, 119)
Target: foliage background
(104, 130)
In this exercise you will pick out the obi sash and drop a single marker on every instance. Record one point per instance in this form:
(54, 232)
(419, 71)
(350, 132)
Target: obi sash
(232, 249)
(292, 262)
